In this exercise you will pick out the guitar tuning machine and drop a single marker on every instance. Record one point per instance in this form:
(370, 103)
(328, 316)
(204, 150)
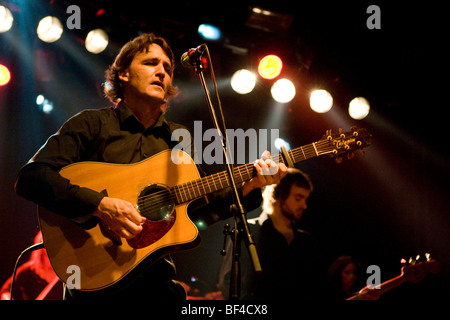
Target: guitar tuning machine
(328, 134)
(413, 261)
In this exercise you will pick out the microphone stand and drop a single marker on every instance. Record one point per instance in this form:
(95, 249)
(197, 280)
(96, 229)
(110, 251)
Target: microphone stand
(241, 229)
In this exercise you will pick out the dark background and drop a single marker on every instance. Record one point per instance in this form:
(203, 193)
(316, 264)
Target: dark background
(388, 204)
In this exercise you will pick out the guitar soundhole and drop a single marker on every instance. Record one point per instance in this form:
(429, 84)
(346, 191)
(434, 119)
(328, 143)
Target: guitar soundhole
(155, 203)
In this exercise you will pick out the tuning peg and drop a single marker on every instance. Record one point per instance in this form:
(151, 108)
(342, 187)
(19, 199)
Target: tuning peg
(403, 261)
(328, 134)
(428, 256)
(354, 130)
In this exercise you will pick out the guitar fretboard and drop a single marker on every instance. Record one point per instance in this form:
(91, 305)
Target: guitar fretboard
(198, 188)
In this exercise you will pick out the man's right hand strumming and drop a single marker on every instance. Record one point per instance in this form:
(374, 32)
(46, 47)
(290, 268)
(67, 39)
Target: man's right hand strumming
(120, 216)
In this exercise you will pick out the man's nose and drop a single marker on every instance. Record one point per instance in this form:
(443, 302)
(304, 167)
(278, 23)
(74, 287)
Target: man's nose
(160, 71)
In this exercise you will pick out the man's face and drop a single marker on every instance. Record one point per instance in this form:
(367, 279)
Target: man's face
(149, 75)
(294, 205)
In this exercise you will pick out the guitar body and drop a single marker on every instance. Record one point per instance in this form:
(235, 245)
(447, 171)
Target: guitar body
(104, 260)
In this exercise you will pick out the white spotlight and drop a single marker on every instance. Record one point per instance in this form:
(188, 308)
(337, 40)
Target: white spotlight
(49, 29)
(96, 41)
(6, 19)
(243, 81)
(40, 99)
(47, 107)
(280, 142)
(358, 108)
(320, 101)
(283, 91)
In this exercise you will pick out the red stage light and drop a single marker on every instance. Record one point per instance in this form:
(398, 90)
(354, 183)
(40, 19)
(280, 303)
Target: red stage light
(100, 12)
(270, 67)
(5, 75)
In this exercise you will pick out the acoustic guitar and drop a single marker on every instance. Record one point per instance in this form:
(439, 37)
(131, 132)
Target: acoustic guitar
(161, 190)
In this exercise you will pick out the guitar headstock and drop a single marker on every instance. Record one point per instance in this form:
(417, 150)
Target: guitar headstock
(337, 144)
(415, 270)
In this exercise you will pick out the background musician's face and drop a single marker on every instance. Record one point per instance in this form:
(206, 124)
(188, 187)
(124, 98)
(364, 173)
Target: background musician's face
(294, 205)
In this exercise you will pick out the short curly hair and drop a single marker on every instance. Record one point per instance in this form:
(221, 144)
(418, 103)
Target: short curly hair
(113, 85)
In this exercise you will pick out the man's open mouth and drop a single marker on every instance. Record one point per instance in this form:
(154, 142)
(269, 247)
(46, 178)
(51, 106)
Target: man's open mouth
(158, 83)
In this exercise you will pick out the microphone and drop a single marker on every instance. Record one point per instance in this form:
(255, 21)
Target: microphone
(189, 58)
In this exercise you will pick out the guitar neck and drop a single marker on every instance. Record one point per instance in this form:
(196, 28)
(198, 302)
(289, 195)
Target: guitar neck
(383, 288)
(391, 284)
(201, 187)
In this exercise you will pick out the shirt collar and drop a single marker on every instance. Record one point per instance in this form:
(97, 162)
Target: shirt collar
(125, 115)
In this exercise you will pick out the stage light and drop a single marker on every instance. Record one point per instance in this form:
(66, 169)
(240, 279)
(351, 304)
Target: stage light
(283, 91)
(49, 29)
(201, 225)
(47, 107)
(5, 75)
(6, 19)
(40, 99)
(44, 104)
(320, 101)
(358, 108)
(270, 67)
(280, 142)
(243, 81)
(96, 41)
(209, 32)
(100, 12)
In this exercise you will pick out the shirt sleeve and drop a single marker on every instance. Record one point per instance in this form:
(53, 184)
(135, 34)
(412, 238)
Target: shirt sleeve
(39, 180)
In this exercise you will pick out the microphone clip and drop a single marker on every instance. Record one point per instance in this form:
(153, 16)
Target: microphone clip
(193, 57)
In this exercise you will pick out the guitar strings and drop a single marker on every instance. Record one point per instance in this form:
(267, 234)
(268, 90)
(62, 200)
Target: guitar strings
(182, 193)
(166, 195)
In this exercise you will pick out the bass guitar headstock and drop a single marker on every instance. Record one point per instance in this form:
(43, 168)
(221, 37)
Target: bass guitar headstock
(415, 269)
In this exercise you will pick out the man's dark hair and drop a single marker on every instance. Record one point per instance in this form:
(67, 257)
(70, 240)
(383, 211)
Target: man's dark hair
(293, 176)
